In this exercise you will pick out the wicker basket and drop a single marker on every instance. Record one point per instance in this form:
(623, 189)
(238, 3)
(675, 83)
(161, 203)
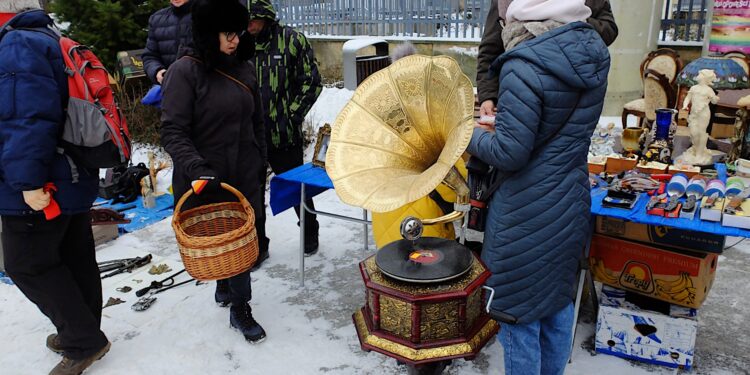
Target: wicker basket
(216, 241)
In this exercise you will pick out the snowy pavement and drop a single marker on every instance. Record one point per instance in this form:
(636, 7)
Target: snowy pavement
(310, 329)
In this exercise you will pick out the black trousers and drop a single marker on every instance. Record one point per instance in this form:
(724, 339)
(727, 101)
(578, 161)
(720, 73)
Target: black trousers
(54, 265)
(240, 290)
(282, 161)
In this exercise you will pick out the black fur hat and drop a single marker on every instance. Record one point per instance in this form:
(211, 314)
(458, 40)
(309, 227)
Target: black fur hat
(210, 17)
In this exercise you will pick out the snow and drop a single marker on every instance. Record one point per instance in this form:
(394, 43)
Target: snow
(309, 328)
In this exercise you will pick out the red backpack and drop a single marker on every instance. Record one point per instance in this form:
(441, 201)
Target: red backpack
(95, 134)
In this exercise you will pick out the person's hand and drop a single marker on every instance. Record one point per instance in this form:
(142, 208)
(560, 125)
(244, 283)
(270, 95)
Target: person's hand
(206, 183)
(36, 199)
(487, 108)
(489, 128)
(160, 75)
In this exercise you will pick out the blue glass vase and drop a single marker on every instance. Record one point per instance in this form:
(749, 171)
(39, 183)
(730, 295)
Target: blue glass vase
(663, 123)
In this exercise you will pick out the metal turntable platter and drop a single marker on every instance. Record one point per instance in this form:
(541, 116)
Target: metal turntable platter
(426, 260)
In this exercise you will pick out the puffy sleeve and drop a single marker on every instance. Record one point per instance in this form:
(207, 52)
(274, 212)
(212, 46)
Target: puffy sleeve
(490, 48)
(519, 111)
(152, 62)
(31, 113)
(603, 20)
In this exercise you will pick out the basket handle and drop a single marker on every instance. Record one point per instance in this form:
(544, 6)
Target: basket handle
(225, 186)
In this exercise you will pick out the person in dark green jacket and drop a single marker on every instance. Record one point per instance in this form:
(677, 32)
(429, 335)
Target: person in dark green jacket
(289, 84)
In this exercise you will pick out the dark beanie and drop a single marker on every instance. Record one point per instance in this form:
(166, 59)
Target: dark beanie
(214, 16)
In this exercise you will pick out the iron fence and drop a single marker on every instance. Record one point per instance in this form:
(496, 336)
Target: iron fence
(683, 21)
(412, 18)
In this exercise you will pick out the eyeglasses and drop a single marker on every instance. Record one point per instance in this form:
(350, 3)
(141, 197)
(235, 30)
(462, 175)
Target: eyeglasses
(231, 36)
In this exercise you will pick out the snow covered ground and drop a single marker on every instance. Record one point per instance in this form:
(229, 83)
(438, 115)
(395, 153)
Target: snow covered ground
(309, 328)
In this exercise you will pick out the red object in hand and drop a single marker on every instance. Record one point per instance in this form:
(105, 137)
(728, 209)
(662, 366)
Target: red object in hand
(53, 209)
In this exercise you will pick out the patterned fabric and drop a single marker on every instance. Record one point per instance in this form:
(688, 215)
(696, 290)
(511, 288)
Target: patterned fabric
(261, 9)
(289, 82)
(552, 93)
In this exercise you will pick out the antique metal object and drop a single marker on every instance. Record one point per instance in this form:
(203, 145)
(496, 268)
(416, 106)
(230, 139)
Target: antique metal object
(424, 323)
(106, 216)
(401, 134)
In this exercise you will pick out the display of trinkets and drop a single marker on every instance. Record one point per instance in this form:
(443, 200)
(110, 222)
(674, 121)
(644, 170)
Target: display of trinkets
(660, 137)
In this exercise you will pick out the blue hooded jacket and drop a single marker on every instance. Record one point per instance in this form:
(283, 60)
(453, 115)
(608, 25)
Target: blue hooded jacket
(551, 97)
(33, 93)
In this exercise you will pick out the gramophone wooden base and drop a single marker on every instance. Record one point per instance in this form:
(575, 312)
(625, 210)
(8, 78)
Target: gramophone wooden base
(418, 324)
(467, 349)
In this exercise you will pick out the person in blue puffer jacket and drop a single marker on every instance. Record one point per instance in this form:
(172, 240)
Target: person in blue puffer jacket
(51, 261)
(553, 79)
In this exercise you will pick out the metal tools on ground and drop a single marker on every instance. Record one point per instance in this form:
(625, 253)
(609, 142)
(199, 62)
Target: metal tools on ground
(118, 266)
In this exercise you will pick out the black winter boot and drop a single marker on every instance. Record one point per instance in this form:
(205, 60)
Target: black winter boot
(241, 318)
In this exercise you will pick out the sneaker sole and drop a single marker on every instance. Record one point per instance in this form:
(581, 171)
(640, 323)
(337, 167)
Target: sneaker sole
(246, 339)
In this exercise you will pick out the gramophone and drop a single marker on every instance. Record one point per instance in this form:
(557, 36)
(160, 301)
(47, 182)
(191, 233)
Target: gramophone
(397, 139)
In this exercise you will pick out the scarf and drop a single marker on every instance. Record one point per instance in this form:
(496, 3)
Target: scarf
(517, 32)
(563, 11)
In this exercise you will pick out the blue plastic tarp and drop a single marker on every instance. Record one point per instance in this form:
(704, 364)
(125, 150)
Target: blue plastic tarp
(286, 187)
(4, 279)
(140, 216)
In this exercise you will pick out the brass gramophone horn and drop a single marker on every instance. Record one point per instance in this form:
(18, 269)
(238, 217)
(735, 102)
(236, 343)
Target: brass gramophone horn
(401, 134)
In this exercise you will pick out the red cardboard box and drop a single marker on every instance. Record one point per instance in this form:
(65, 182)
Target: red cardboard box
(679, 277)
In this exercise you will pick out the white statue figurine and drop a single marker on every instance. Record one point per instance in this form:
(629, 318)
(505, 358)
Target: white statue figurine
(698, 98)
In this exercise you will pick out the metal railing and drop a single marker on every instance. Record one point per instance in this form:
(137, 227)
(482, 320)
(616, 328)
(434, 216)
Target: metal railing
(411, 18)
(683, 22)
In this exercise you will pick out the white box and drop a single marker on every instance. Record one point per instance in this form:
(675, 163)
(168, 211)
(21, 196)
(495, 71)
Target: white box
(741, 218)
(624, 330)
(713, 213)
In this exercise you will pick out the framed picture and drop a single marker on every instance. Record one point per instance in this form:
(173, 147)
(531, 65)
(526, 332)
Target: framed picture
(321, 146)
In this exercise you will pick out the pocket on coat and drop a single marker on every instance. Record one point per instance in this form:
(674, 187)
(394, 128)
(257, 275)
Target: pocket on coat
(7, 95)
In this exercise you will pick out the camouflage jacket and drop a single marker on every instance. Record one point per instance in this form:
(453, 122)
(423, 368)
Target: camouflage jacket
(289, 83)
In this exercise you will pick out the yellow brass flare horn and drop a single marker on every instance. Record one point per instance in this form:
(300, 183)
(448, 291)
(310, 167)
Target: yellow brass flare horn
(401, 134)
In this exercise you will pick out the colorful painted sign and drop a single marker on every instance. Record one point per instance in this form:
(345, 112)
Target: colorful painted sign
(730, 26)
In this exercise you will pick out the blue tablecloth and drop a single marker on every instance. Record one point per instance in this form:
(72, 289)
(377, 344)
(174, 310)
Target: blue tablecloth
(285, 194)
(139, 216)
(286, 187)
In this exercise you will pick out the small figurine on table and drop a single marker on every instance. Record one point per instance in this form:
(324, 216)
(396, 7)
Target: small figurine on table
(698, 99)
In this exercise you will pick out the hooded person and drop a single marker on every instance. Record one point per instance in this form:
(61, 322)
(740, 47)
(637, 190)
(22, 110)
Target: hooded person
(212, 127)
(553, 79)
(289, 84)
(51, 261)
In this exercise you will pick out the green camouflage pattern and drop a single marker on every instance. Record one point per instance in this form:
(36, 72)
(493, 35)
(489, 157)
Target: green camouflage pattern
(289, 82)
(261, 9)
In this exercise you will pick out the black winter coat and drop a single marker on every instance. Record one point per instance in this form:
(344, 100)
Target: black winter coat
(213, 125)
(168, 29)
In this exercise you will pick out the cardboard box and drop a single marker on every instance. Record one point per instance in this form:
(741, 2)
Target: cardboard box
(597, 168)
(719, 131)
(653, 167)
(104, 233)
(627, 331)
(619, 164)
(678, 277)
(660, 235)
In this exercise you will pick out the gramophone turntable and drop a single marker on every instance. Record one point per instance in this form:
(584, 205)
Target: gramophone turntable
(396, 140)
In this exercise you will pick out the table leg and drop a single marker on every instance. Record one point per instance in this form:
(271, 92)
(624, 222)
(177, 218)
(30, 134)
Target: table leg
(364, 226)
(302, 211)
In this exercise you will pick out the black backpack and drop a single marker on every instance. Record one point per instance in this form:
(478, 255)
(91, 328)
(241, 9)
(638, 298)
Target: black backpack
(123, 184)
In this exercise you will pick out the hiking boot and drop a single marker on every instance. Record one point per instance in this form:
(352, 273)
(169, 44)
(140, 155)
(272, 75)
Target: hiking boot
(53, 344)
(311, 247)
(222, 296)
(76, 366)
(241, 318)
(262, 256)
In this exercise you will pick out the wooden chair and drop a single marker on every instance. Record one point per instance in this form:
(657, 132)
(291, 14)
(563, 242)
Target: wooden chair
(659, 72)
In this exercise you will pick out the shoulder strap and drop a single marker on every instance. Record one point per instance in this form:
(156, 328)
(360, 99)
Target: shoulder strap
(497, 180)
(228, 76)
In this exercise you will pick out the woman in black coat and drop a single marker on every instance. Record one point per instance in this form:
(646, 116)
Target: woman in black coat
(212, 126)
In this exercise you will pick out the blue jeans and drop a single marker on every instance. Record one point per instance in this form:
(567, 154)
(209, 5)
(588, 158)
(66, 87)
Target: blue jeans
(538, 348)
